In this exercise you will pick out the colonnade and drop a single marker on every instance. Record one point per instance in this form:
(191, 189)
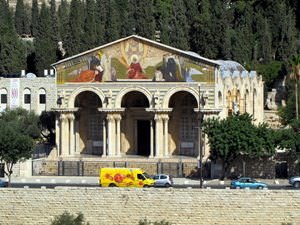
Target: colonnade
(67, 134)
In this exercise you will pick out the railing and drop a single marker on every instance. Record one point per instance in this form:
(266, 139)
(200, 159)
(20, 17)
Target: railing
(92, 168)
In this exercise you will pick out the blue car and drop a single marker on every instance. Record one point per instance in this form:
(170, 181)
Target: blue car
(3, 183)
(247, 182)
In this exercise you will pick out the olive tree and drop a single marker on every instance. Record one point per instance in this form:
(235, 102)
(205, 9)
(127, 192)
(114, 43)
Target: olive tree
(18, 132)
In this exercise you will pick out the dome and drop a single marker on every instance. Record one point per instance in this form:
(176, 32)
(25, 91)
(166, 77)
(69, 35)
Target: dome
(228, 65)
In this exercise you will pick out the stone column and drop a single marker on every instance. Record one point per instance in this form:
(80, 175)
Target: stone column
(77, 147)
(151, 139)
(166, 135)
(64, 134)
(111, 135)
(72, 134)
(104, 138)
(158, 135)
(118, 134)
(57, 134)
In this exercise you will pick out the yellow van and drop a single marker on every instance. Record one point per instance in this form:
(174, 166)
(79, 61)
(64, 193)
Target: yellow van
(124, 177)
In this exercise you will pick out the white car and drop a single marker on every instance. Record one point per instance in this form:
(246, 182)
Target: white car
(163, 180)
(295, 181)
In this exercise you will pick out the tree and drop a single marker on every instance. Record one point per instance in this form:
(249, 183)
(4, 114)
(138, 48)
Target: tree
(68, 219)
(90, 24)
(235, 136)
(145, 24)
(113, 25)
(34, 18)
(47, 125)
(12, 54)
(178, 26)
(18, 130)
(22, 22)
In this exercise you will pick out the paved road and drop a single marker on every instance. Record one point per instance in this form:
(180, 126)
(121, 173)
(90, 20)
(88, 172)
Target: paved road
(51, 182)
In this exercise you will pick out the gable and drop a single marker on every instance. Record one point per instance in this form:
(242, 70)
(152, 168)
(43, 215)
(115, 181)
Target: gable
(135, 59)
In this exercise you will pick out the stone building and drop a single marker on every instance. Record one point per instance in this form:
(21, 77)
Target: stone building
(138, 97)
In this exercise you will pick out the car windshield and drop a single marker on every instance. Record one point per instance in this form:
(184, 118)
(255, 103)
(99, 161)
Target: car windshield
(146, 175)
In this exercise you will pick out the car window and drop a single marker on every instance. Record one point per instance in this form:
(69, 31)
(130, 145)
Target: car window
(156, 177)
(140, 177)
(163, 177)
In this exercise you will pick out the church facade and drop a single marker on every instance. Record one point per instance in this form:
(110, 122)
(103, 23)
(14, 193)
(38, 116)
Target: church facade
(139, 98)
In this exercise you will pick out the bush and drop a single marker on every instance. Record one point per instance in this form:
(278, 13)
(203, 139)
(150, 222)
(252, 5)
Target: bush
(68, 219)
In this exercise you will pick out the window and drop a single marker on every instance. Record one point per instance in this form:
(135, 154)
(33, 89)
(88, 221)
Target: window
(3, 98)
(27, 98)
(42, 99)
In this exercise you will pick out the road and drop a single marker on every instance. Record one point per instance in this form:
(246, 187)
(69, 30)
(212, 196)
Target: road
(52, 182)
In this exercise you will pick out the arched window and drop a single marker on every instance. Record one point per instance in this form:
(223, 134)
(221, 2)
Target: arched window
(3, 99)
(254, 102)
(220, 99)
(42, 100)
(27, 99)
(246, 102)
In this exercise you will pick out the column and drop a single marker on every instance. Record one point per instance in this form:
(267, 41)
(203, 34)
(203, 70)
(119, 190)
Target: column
(72, 134)
(166, 135)
(104, 138)
(57, 134)
(151, 139)
(77, 145)
(111, 136)
(64, 135)
(118, 134)
(158, 135)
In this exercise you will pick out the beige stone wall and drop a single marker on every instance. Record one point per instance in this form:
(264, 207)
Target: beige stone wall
(114, 206)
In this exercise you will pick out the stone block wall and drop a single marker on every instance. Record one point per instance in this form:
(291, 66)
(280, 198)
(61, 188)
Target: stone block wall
(124, 206)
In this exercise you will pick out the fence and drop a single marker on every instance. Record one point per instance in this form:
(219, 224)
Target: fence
(92, 168)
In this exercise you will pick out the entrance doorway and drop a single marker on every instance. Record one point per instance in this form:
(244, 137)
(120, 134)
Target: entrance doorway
(143, 137)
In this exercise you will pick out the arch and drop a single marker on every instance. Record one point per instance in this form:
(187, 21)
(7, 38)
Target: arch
(3, 99)
(246, 101)
(254, 103)
(124, 91)
(77, 91)
(27, 99)
(220, 99)
(171, 92)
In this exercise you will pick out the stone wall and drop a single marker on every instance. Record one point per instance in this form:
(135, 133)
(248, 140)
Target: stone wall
(117, 206)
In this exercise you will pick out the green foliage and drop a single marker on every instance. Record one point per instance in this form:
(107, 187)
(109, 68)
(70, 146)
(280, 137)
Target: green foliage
(69, 219)
(47, 125)
(271, 72)
(237, 135)
(18, 129)
(146, 222)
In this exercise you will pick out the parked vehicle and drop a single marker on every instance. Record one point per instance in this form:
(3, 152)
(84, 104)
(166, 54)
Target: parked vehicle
(295, 182)
(3, 183)
(247, 182)
(163, 180)
(124, 177)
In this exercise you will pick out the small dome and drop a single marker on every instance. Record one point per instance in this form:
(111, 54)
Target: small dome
(228, 65)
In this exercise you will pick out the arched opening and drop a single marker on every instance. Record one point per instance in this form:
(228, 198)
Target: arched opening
(88, 124)
(136, 124)
(42, 100)
(254, 103)
(3, 99)
(220, 99)
(229, 103)
(27, 99)
(247, 101)
(183, 124)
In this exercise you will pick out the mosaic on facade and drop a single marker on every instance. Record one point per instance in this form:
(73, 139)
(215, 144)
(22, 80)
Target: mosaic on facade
(134, 60)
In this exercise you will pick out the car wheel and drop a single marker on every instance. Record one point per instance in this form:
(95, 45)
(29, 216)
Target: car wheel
(167, 185)
(112, 185)
(259, 187)
(297, 184)
(146, 186)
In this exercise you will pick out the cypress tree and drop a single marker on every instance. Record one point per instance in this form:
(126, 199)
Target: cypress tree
(101, 18)
(179, 26)
(12, 54)
(63, 21)
(89, 38)
(123, 11)
(44, 44)
(22, 22)
(162, 13)
(34, 17)
(74, 41)
(113, 24)
(145, 23)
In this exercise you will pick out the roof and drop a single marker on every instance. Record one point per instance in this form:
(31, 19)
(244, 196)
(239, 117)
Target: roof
(179, 51)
